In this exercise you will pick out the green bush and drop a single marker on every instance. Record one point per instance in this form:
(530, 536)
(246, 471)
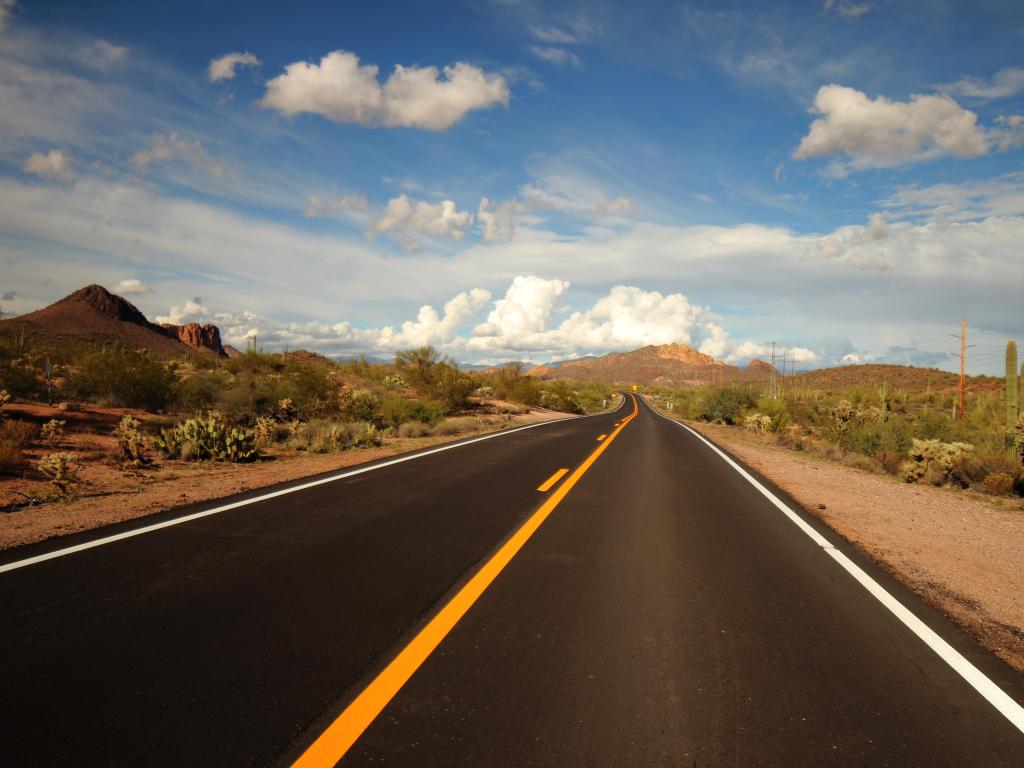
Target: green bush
(398, 410)
(726, 404)
(359, 405)
(413, 429)
(133, 379)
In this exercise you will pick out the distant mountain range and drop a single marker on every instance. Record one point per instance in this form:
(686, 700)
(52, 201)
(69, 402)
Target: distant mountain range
(95, 317)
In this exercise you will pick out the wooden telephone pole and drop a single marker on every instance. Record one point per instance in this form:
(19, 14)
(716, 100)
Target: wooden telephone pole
(963, 358)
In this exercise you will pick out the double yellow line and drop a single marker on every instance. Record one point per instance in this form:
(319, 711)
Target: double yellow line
(340, 735)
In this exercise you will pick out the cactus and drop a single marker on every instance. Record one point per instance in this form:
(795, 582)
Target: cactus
(60, 469)
(206, 439)
(132, 443)
(1011, 391)
(884, 400)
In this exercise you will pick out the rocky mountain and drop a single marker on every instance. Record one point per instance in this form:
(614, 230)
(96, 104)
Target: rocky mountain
(667, 365)
(93, 316)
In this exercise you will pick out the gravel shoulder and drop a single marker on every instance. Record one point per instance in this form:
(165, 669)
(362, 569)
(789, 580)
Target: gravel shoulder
(960, 551)
(111, 495)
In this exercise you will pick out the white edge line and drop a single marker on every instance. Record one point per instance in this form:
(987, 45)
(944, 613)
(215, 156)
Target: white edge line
(992, 693)
(12, 566)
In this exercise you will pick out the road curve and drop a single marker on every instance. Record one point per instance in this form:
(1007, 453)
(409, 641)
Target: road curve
(659, 610)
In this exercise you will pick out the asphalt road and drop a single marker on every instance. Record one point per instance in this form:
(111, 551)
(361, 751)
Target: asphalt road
(652, 607)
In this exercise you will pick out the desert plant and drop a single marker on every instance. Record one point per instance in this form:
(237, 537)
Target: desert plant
(413, 429)
(14, 435)
(5, 398)
(207, 439)
(61, 469)
(132, 443)
(726, 404)
(368, 436)
(761, 423)
(398, 410)
(133, 379)
(359, 404)
(394, 381)
(1012, 411)
(53, 432)
(998, 483)
(932, 461)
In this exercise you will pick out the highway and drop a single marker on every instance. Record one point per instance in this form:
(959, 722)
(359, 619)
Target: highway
(654, 604)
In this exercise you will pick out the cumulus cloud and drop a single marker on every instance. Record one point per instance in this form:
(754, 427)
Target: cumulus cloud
(1004, 83)
(173, 147)
(55, 164)
(223, 67)
(875, 133)
(555, 55)
(132, 286)
(6, 6)
(404, 217)
(345, 91)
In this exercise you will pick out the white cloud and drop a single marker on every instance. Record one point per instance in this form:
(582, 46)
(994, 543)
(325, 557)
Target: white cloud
(132, 286)
(880, 132)
(6, 6)
(343, 90)
(173, 147)
(551, 34)
(102, 54)
(700, 197)
(55, 164)
(1004, 83)
(847, 9)
(192, 311)
(223, 67)
(1011, 134)
(500, 220)
(556, 55)
(348, 205)
(779, 174)
(404, 217)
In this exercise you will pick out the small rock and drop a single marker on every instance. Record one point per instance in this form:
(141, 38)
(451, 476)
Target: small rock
(822, 506)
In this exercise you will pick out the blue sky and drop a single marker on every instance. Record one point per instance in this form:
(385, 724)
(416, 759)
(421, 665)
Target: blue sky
(517, 180)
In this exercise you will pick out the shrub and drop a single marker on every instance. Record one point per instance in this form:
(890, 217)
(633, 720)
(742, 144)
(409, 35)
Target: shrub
(760, 423)
(398, 410)
(132, 444)
(368, 436)
(14, 435)
(458, 426)
(5, 398)
(359, 405)
(413, 429)
(61, 469)
(394, 381)
(323, 437)
(998, 483)
(133, 379)
(726, 404)
(205, 439)
(931, 461)
(53, 432)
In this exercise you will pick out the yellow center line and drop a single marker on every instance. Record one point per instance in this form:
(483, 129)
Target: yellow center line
(601, 437)
(340, 735)
(546, 485)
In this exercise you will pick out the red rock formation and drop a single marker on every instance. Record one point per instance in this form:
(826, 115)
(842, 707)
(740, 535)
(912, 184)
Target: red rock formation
(197, 336)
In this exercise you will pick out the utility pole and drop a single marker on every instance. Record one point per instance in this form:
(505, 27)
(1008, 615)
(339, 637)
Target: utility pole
(771, 381)
(963, 359)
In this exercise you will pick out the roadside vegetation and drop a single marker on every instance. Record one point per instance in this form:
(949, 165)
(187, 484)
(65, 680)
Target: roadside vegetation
(912, 435)
(255, 406)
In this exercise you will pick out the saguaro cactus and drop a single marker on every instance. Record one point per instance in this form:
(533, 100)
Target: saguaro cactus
(1011, 391)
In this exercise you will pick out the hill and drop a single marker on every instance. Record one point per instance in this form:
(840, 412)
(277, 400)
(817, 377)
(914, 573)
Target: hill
(904, 377)
(93, 317)
(672, 365)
